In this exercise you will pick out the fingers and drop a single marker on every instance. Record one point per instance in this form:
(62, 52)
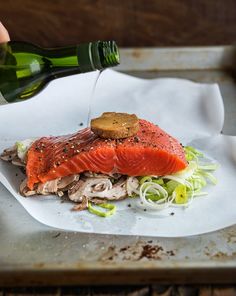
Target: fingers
(4, 36)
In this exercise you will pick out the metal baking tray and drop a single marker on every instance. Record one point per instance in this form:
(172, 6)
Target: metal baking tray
(34, 254)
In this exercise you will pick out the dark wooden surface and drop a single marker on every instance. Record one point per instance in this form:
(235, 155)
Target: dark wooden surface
(132, 22)
(124, 291)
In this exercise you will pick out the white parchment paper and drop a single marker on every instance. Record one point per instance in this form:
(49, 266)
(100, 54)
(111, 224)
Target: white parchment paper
(190, 111)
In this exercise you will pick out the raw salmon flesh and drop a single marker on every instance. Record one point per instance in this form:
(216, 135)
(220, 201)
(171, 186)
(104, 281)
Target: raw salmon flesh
(150, 152)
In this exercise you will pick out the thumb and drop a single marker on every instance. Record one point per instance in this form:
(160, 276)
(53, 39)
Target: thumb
(4, 36)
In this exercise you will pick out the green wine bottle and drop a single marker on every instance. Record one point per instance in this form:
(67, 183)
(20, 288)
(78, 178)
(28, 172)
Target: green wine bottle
(26, 69)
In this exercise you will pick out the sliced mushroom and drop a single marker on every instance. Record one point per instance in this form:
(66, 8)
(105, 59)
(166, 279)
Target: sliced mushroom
(60, 193)
(75, 193)
(24, 190)
(9, 153)
(118, 190)
(94, 175)
(81, 206)
(132, 185)
(67, 182)
(57, 186)
(90, 187)
(98, 188)
(48, 187)
(18, 162)
(94, 189)
(97, 201)
(89, 174)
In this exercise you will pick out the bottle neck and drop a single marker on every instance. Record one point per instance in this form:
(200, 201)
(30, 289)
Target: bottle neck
(84, 57)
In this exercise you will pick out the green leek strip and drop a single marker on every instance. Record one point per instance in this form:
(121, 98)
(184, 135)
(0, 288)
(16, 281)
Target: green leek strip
(95, 211)
(158, 181)
(180, 187)
(193, 150)
(192, 154)
(181, 196)
(210, 177)
(170, 186)
(145, 179)
(20, 147)
(208, 167)
(154, 197)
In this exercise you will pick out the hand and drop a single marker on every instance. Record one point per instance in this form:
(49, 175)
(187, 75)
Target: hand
(4, 36)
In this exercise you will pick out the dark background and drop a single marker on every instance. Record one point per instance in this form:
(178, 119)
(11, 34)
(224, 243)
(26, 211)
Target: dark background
(132, 23)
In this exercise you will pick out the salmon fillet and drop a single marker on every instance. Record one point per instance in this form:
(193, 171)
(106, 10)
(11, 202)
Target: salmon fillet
(151, 152)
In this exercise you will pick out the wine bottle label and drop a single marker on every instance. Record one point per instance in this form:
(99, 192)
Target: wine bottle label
(2, 100)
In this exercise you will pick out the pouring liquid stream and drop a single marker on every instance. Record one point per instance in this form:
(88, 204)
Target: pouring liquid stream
(92, 97)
